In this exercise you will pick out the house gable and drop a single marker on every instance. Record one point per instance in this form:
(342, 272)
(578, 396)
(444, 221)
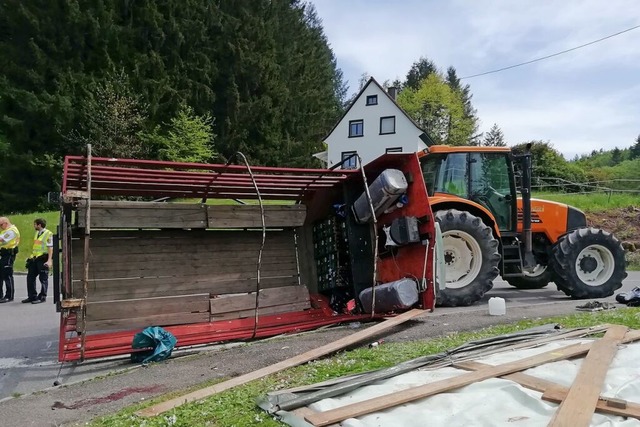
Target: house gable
(372, 125)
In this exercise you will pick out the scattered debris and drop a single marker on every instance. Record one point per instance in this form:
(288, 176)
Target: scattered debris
(595, 306)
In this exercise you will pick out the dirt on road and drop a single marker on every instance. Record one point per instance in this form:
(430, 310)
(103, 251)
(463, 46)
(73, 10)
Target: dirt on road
(624, 223)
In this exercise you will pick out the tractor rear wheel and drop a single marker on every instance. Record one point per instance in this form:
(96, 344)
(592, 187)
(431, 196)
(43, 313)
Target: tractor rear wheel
(590, 263)
(471, 258)
(538, 278)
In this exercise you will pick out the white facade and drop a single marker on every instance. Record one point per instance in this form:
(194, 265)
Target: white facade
(373, 125)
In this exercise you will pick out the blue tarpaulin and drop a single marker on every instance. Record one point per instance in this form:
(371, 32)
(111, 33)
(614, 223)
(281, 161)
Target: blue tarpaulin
(160, 342)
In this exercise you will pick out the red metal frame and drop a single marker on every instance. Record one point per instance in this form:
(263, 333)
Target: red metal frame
(128, 177)
(159, 179)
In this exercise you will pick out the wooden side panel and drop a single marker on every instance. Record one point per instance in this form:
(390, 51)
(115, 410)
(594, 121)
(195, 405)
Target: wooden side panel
(285, 308)
(125, 309)
(247, 216)
(286, 295)
(187, 261)
(143, 322)
(111, 214)
(131, 288)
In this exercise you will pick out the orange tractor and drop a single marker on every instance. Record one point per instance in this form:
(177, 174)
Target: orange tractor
(488, 230)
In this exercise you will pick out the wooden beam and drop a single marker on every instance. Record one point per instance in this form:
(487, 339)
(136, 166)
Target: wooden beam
(265, 311)
(294, 361)
(409, 395)
(267, 298)
(143, 307)
(577, 408)
(556, 393)
(241, 216)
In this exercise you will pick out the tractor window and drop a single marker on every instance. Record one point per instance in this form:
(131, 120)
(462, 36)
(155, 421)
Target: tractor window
(446, 173)
(492, 186)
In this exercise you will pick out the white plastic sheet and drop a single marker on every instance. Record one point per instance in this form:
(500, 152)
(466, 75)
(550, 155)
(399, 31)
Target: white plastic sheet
(493, 402)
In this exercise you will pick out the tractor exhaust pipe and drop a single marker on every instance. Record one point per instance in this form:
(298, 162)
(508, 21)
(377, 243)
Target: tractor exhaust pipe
(529, 261)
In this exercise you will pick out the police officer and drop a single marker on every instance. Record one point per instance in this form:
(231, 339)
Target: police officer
(9, 240)
(39, 262)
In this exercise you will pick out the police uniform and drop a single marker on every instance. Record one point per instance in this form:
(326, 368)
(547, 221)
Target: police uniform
(8, 250)
(36, 266)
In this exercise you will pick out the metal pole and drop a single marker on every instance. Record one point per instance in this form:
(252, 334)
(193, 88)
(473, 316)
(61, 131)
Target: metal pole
(85, 278)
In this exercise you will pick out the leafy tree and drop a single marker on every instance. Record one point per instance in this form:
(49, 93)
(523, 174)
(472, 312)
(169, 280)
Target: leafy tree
(262, 70)
(470, 113)
(634, 151)
(419, 71)
(187, 138)
(438, 110)
(494, 138)
(616, 156)
(111, 119)
(551, 168)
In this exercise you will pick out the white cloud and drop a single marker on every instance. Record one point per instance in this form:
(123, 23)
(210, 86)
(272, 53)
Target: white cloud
(583, 100)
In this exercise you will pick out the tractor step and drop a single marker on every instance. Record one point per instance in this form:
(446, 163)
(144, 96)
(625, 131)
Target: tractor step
(512, 259)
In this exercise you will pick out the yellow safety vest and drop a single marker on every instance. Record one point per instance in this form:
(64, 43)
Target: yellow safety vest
(40, 243)
(13, 242)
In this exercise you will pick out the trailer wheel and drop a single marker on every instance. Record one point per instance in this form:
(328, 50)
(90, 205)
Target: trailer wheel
(590, 263)
(536, 279)
(471, 258)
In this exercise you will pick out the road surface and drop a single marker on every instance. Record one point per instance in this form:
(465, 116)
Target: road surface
(29, 338)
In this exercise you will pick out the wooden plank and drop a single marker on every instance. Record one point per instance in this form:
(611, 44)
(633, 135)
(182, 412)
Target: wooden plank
(202, 254)
(556, 393)
(145, 321)
(195, 258)
(577, 408)
(165, 215)
(175, 215)
(125, 309)
(181, 237)
(288, 363)
(265, 311)
(122, 289)
(232, 303)
(155, 269)
(266, 298)
(246, 216)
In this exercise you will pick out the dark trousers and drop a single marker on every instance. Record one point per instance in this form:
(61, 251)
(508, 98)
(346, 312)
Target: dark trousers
(6, 275)
(37, 269)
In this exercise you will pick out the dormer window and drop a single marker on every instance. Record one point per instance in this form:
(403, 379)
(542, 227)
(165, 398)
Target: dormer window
(372, 100)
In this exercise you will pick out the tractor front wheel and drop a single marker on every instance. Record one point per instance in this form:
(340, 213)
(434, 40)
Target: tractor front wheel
(471, 258)
(590, 263)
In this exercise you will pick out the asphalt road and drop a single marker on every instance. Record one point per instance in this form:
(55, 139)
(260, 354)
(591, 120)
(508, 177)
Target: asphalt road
(28, 354)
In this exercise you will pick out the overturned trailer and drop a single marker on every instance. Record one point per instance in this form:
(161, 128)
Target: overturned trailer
(231, 252)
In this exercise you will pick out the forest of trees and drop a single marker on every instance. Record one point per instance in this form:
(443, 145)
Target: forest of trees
(256, 76)
(198, 80)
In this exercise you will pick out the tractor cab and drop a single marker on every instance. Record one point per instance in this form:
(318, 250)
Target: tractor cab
(483, 177)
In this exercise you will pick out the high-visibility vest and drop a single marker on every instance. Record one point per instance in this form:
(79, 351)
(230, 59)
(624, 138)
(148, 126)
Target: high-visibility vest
(40, 243)
(13, 242)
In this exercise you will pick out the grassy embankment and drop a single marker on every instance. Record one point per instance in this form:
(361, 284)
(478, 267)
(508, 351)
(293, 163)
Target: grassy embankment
(595, 202)
(236, 407)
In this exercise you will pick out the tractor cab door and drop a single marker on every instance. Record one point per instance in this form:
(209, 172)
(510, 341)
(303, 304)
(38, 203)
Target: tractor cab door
(492, 185)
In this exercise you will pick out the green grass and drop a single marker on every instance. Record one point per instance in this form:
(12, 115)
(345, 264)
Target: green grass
(594, 202)
(25, 226)
(236, 407)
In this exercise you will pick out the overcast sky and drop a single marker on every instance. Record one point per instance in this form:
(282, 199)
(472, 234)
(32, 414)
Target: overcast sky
(579, 101)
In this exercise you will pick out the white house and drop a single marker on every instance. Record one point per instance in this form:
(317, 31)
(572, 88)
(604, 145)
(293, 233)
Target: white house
(373, 124)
